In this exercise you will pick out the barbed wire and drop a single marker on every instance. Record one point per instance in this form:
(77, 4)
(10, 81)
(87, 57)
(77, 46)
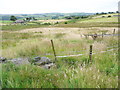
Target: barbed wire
(104, 35)
(84, 54)
(85, 50)
(47, 54)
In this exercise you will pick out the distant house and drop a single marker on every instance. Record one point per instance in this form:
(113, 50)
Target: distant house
(19, 21)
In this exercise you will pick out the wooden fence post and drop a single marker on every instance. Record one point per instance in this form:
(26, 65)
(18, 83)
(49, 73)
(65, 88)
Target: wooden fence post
(53, 50)
(86, 36)
(114, 31)
(90, 54)
(102, 34)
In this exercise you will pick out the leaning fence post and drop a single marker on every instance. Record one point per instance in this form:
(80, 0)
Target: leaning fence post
(53, 50)
(90, 54)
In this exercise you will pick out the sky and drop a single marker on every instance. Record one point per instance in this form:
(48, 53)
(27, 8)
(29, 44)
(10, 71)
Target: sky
(61, 6)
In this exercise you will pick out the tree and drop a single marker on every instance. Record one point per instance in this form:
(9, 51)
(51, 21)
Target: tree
(65, 22)
(55, 17)
(34, 18)
(68, 17)
(109, 16)
(13, 18)
(76, 17)
(110, 12)
(28, 19)
(103, 13)
(97, 13)
(117, 11)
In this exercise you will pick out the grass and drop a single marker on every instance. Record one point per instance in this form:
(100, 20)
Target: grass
(6, 22)
(80, 23)
(67, 75)
(92, 22)
(59, 35)
(15, 44)
(20, 27)
(11, 39)
(0, 76)
(89, 24)
(69, 72)
(106, 19)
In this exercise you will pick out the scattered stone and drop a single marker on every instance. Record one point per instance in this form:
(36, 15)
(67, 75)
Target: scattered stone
(43, 61)
(34, 59)
(20, 61)
(3, 59)
(37, 59)
(48, 66)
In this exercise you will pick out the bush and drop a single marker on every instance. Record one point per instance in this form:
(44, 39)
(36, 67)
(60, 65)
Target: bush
(57, 23)
(47, 24)
(65, 23)
(109, 16)
(103, 16)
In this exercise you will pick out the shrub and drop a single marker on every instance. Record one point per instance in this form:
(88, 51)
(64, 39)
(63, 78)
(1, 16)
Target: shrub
(65, 23)
(109, 16)
(47, 24)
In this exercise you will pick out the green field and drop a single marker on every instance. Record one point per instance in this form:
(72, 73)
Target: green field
(106, 19)
(33, 40)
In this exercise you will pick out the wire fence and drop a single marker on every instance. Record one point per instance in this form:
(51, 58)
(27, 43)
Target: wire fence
(75, 55)
(104, 35)
(91, 52)
(85, 54)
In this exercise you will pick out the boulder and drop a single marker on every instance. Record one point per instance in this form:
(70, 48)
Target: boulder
(3, 59)
(20, 61)
(43, 61)
(36, 59)
(48, 66)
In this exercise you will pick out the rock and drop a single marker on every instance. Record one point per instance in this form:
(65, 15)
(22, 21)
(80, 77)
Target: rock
(20, 61)
(48, 66)
(43, 61)
(37, 59)
(3, 59)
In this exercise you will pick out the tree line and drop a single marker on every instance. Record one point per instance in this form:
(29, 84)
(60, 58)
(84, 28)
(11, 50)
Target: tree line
(13, 18)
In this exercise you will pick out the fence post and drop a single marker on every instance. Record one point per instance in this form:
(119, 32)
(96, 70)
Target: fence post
(114, 31)
(102, 34)
(53, 50)
(90, 54)
(86, 36)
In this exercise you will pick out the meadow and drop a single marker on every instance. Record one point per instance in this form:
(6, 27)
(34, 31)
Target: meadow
(69, 39)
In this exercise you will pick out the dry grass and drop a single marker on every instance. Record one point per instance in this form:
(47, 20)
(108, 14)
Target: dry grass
(71, 72)
(35, 41)
(52, 21)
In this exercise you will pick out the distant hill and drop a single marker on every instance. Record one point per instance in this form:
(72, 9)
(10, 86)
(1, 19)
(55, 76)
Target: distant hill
(43, 15)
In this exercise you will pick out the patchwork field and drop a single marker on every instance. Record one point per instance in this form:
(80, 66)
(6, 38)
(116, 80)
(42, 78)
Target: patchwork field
(73, 68)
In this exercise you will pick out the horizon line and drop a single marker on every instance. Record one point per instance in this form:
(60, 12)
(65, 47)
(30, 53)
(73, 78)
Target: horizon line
(55, 12)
